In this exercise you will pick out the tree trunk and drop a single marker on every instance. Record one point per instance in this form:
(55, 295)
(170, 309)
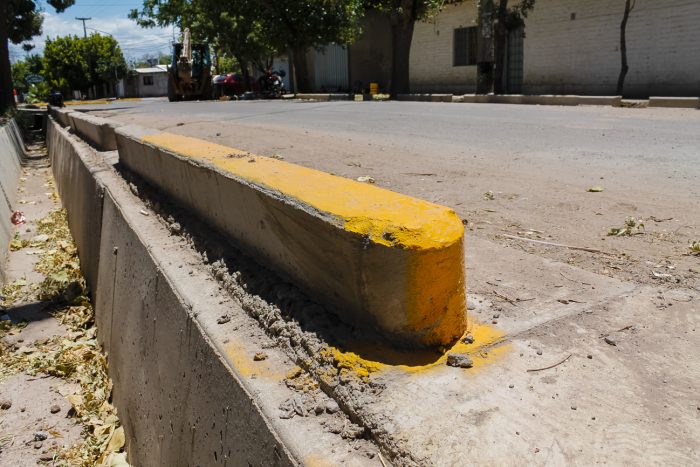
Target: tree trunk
(244, 71)
(302, 70)
(484, 60)
(623, 47)
(499, 48)
(7, 99)
(401, 38)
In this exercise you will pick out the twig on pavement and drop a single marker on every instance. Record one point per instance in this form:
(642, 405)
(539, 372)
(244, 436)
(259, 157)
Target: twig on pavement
(561, 245)
(551, 366)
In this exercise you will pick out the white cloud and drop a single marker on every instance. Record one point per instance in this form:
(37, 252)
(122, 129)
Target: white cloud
(134, 40)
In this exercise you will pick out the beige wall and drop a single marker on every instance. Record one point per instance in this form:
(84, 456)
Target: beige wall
(579, 56)
(431, 52)
(582, 56)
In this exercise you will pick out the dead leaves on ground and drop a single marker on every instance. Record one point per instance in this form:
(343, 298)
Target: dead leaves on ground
(77, 356)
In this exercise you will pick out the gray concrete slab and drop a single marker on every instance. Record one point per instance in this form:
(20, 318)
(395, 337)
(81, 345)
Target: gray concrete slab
(74, 167)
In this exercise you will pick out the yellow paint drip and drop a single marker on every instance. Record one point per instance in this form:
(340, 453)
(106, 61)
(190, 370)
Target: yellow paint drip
(352, 362)
(244, 364)
(386, 217)
(486, 349)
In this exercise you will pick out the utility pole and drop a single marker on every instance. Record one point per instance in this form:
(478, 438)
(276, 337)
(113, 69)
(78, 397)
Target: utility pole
(85, 36)
(84, 28)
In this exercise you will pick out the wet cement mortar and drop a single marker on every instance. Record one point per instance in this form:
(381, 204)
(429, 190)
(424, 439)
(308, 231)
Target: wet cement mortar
(305, 330)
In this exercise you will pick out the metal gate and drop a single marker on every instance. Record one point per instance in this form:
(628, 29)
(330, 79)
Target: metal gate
(331, 69)
(514, 60)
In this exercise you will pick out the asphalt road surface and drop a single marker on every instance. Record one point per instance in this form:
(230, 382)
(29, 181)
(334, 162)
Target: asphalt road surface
(525, 171)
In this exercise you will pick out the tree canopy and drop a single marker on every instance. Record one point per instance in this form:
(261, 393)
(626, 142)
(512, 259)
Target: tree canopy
(20, 20)
(73, 62)
(254, 31)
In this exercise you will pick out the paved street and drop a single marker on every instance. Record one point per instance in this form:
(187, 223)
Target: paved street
(524, 171)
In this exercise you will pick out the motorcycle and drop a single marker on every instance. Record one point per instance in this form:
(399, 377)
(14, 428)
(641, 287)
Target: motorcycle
(271, 85)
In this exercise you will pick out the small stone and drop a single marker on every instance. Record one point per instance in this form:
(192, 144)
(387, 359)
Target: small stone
(471, 304)
(260, 356)
(40, 436)
(496, 316)
(38, 445)
(175, 228)
(5, 404)
(468, 339)
(332, 407)
(511, 386)
(573, 407)
(610, 341)
(23, 409)
(223, 319)
(537, 450)
(494, 321)
(55, 408)
(539, 352)
(589, 356)
(46, 458)
(459, 360)
(319, 409)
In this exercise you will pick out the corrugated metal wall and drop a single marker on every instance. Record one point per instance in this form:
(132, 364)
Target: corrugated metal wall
(331, 69)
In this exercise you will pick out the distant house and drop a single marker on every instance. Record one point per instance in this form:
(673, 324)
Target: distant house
(147, 82)
(566, 47)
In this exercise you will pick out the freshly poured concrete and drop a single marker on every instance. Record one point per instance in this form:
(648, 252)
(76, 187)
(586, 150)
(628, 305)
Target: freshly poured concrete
(390, 262)
(188, 389)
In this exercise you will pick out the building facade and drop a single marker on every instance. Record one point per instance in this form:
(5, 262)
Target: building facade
(571, 47)
(147, 82)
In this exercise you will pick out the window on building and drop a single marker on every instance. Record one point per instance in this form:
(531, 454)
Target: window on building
(148, 80)
(465, 46)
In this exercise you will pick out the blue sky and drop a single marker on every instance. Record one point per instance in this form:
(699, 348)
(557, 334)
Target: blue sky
(108, 16)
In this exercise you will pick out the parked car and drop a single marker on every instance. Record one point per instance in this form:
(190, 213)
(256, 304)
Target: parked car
(233, 84)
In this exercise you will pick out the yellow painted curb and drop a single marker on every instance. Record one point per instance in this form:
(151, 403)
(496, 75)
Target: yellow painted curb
(404, 257)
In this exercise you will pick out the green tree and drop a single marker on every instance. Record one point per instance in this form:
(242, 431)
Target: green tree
(73, 62)
(254, 31)
(295, 26)
(31, 65)
(496, 20)
(403, 15)
(20, 20)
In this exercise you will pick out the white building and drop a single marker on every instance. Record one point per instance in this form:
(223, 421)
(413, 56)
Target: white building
(571, 47)
(566, 47)
(147, 82)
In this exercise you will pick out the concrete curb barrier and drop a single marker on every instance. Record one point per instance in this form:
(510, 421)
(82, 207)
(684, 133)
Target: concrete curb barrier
(675, 102)
(324, 97)
(186, 387)
(425, 97)
(565, 100)
(386, 261)
(97, 131)
(180, 402)
(74, 168)
(11, 152)
(61, 115)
